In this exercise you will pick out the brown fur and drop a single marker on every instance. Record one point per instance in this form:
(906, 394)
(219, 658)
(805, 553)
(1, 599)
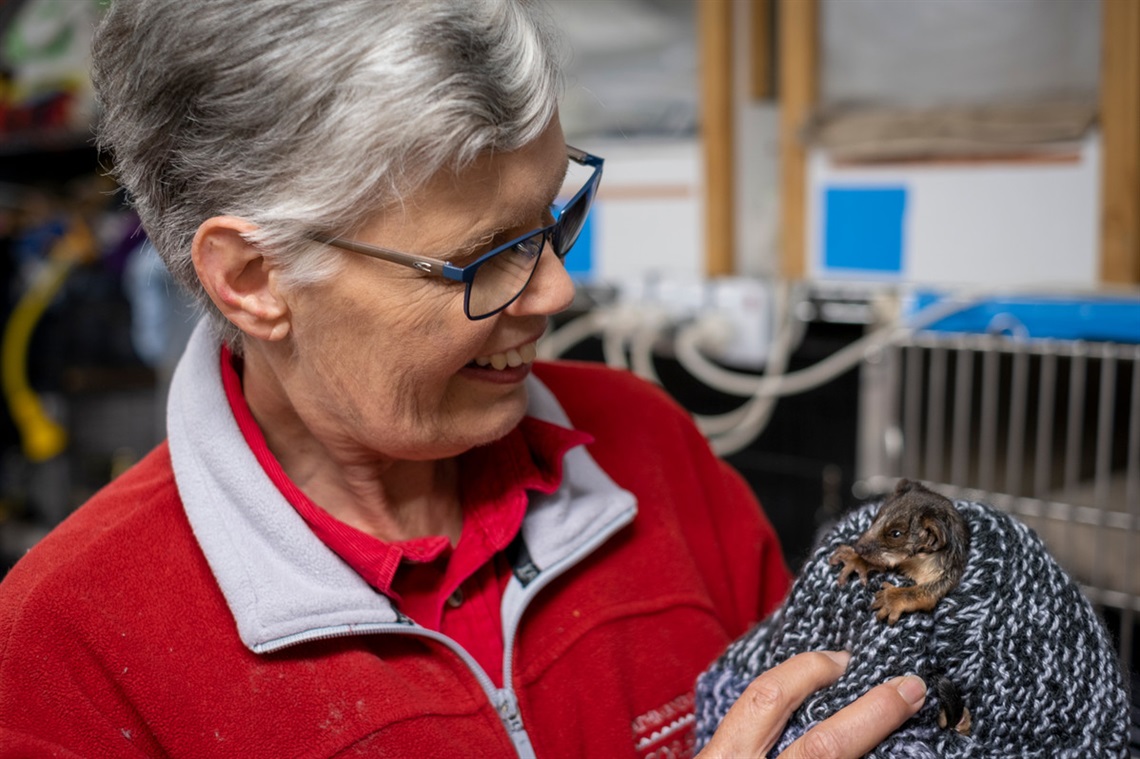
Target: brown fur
(917, 533)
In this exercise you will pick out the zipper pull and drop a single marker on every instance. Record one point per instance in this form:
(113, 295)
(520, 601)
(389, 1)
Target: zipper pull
(508, 707)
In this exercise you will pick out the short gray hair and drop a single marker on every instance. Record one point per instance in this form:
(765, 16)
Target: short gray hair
(309, 116)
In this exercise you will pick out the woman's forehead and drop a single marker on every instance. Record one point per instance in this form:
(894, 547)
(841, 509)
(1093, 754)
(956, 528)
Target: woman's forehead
(497, 191)
(516, 176)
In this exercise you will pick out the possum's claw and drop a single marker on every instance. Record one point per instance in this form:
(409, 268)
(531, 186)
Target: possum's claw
(889, 603)
(852, 563)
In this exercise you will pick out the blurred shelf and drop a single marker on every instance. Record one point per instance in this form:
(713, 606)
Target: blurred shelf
(45, 141)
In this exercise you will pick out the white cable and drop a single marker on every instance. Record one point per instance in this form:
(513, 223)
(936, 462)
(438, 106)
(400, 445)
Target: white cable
(615, 324)
(559, 341)
(734, 430)
(758, 411)
(643, 338)
(620, 325)
(821, 372)
(754, 415)
(749, 424)
(750, 420)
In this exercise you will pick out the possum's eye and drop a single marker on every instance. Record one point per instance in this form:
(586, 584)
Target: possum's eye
(895, 533)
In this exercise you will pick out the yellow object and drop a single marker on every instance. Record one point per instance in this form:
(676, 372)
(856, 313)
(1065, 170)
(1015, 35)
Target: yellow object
(41, 437)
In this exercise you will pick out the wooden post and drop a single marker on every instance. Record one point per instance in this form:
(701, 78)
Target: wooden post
(798, 70)
(714, 21)
(760, 87)
(1120, 133)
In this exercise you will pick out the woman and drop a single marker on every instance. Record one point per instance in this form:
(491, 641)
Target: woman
(377, 527)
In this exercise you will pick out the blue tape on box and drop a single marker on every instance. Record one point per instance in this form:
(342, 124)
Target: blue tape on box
(863, 229)
(1093, 319)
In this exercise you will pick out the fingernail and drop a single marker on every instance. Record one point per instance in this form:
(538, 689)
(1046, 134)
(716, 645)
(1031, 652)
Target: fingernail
(912, 689)
(839, 657)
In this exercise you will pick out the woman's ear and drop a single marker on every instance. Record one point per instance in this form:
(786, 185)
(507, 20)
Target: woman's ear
(240, 281)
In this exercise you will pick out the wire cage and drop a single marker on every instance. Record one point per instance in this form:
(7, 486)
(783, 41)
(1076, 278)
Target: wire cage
(1047, 430)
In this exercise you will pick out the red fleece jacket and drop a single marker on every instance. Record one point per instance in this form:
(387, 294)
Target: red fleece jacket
(117, 642)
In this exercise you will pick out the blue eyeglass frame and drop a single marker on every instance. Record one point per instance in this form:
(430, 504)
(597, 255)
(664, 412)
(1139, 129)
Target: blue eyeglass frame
(466, 274)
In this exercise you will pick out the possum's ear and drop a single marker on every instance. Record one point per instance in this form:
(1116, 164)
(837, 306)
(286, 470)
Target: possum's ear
(932, 538)
(903, 486)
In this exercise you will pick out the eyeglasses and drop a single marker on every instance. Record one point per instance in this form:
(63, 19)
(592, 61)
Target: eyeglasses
(499, 276)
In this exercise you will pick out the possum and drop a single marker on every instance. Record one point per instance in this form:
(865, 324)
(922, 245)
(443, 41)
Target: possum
(917, 533)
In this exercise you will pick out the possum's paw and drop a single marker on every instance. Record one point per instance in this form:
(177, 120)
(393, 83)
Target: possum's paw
(852, 563)
(890, 603)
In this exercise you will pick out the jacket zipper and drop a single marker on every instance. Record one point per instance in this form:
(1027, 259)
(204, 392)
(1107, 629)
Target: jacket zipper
(546, 576)
(503, 699)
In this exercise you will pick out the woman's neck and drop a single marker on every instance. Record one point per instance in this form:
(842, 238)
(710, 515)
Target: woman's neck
(391, 499)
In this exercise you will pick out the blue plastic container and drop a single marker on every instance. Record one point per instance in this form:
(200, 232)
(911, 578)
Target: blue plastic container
(1096, 319)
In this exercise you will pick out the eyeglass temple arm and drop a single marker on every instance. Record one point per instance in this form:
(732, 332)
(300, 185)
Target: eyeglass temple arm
(423, 263)
(582, 157)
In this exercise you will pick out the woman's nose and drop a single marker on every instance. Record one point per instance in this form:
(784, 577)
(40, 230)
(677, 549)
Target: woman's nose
(550, 290)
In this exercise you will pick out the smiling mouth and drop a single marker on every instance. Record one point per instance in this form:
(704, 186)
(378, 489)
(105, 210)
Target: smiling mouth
(514, 357)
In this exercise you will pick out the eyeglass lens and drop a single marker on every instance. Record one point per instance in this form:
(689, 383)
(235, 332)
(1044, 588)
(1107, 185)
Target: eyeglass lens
(504, 276)
(572, 220)
(501, 279)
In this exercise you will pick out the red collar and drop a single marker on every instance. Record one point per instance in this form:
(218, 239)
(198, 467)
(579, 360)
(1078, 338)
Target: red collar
(495, 477)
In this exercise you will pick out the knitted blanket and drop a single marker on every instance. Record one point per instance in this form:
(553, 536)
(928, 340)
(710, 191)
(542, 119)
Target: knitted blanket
(1027, 653)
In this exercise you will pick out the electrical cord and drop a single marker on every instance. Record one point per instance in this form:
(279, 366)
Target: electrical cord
(653, 323)
(41, 437)
(621, 322)
(639, 329)
(750, 422)
(757, 411)
(557, 342)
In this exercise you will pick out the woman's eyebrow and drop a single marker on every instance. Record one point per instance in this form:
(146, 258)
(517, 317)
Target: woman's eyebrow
(515, 219)
(476, 242)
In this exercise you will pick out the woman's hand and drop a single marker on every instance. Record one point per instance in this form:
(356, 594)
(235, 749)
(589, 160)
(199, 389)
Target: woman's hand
(755, 722)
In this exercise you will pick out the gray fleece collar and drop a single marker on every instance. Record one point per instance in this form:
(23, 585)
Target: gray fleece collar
(281, 582)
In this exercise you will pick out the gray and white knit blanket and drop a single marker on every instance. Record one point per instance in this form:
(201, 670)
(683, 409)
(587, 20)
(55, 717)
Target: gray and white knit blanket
(1027, 653)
